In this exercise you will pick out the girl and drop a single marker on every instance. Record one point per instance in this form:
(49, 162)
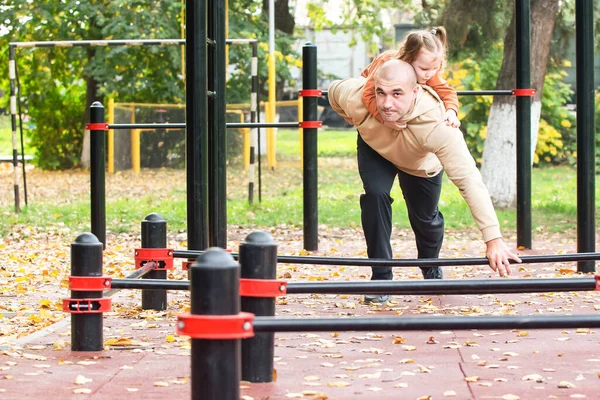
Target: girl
(426, 52)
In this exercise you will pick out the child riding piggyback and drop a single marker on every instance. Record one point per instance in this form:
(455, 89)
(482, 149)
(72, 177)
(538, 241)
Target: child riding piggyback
(425, 50)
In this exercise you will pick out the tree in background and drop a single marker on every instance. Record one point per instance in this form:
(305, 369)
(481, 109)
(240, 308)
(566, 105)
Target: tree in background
(62, 83)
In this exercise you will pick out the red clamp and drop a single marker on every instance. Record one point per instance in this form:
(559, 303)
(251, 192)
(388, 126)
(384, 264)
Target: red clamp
(216, 326)
(310, 93)
(87, 306)
(101, 126)
(311, 124)
(262, 288)
(597, 276)
(523, 92)
(185, 264)
(162, 257)
(89, 283)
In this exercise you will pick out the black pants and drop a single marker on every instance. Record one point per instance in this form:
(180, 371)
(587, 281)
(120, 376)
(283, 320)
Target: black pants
(421, 195)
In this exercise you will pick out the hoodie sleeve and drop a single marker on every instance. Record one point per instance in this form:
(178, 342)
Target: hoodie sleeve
(449, 146)
(446, 93)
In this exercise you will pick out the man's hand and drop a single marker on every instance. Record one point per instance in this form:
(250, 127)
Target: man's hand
(498, 254)
(452, 119)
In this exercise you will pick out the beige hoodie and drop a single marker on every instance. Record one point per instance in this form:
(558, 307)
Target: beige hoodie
(425, 148)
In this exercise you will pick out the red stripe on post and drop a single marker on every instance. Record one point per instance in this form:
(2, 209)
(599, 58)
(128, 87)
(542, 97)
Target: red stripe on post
(311, 124)
(101, 126)
(237, 326)
(262, 287)
(523, 92)
(87, 283)
(310, 93)
(162, 257)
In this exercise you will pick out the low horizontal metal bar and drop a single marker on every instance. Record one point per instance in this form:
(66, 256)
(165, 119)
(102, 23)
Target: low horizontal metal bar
(484, 92)
(122, 42)
(178, 125)
(163, 284)
(133, 277)
(468, 92)
(263, 125)
(438, 286)
(421, 287)
(421, 262)
(270, 324)
(147, 126)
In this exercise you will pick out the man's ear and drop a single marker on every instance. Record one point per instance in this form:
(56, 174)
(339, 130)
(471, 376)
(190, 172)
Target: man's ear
(415, 90)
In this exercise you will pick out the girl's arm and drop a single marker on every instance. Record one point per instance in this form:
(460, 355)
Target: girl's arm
(448, 96)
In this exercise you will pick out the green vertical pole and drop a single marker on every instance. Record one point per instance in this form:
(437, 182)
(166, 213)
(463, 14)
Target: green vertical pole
(586, 215)
(217, 130)
(523, 58)
(309, 146)
(196, 125)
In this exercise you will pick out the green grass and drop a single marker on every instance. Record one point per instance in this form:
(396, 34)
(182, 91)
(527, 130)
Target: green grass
(553, 200)
(6, 144)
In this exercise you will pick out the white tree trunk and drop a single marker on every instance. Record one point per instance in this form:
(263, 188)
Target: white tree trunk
(85, 150)
(499, 161)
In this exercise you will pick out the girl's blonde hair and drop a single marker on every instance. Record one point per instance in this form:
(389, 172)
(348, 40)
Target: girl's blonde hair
(434, 40)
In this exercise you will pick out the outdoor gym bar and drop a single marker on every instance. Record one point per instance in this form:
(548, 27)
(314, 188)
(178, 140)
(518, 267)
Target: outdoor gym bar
(419, 262)
(418, 287)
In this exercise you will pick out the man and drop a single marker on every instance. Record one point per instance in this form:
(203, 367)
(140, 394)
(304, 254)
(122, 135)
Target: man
(417, 154)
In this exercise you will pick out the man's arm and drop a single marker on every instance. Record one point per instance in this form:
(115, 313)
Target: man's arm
(449, 146)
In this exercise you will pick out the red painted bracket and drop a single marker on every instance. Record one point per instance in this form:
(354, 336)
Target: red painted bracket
(597, 276)
(523, 92)
(311, 124)
(89, 283)
(310, 93)
(87, 306)
(216, 326)
(101, 126)
(262, 288)
(185, 264)
(162, 257)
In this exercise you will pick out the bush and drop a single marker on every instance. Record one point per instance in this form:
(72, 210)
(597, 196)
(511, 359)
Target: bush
(58, 116)
(556, 130)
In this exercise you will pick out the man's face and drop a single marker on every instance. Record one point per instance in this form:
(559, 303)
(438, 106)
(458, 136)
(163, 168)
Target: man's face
(394, 98)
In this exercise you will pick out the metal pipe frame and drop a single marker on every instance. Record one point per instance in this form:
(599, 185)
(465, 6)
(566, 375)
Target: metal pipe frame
(422, 287)
(266, 324)
(421, 262)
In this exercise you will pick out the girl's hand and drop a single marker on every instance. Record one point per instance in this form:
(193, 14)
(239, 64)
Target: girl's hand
(452, 119)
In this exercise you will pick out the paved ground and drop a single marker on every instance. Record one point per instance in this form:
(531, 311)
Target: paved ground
(145, 359)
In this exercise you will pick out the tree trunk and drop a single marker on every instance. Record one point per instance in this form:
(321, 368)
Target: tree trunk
(498, 166)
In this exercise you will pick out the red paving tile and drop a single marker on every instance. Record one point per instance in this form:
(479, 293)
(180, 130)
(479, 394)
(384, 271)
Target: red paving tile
(340, 365)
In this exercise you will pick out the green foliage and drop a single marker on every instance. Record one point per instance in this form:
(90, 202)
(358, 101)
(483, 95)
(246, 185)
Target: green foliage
(470, 74)
(361, 18)
(53, 96)
(556, 135)
(56, 124)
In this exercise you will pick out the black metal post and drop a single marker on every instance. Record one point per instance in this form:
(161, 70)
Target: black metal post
(196, 123)
(586, 214)
(97, 173)
(309, 146)
(217, 132)
(86, 260)
(154, 236)
(214, 283)
(523, 141)
(258, 260)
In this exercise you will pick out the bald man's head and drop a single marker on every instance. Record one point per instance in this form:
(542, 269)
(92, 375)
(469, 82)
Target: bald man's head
(396, 71)
(395, 88)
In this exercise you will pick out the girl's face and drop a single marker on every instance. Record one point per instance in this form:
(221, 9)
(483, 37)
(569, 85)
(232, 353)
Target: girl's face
(426, 65)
